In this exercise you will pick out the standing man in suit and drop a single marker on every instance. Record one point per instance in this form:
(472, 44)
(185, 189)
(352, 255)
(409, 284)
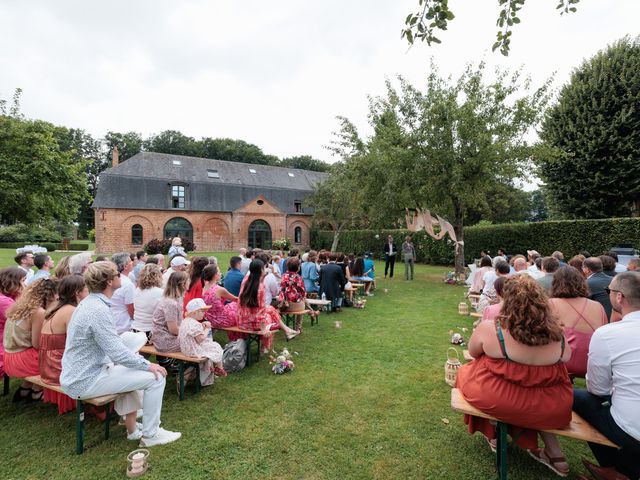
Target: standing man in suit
(390, 252)
(332, 282)
(597, 282)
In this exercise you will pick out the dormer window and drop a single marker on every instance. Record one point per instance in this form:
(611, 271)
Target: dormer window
(252, 170)
(177, 196)
(213, 174)
(298, 206)
(176, 162)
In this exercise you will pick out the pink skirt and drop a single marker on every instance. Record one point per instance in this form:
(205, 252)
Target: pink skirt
(22, 364)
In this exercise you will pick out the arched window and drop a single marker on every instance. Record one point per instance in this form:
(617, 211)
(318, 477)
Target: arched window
(259, 235)
(178, 227)
(136, 234)
(297, 235)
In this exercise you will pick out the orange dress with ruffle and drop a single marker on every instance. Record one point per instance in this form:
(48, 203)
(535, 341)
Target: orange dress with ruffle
(50, 364)
(526, 397)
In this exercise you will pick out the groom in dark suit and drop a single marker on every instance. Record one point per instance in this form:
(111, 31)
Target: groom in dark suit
(390, 252)
(597, 282)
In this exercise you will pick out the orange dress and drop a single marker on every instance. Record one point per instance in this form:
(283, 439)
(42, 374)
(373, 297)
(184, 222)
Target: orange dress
(50, 363)
(527, 397)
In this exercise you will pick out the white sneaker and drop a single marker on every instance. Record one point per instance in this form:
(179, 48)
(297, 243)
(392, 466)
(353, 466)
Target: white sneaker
(161, 437)
(137, 435)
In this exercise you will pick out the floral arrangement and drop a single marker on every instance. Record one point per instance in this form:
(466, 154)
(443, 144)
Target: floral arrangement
(359, 303)
(453, 279)
(281, 244)
(281, 363)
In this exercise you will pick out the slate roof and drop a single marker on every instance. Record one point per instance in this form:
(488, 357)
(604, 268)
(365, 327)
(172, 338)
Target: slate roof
(142, 182)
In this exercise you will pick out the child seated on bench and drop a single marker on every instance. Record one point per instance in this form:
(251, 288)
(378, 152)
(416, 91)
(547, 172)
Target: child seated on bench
(195, 342)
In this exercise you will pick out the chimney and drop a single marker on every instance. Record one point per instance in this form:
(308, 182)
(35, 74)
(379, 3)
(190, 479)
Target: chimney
(115, 156)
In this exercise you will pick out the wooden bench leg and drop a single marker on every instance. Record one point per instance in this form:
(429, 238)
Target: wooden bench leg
(5, 388)
(79, 428)
(501, 456)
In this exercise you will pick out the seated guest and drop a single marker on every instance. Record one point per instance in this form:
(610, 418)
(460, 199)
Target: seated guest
(477, 282)
(277, 269)
(221, 314)
(168, 314)
(246, 255)
(370, 267)
(233, 278)
(22, 335)
(558, 255)
(253, 313)
(550, 266)
(122, 308)
(520, 265)
(491, 312)
(79, 263)
(92, 343)
(271, 282)
(294, 252)
(141, 260)
(619, 267)
(146, 297)
(195, 342)
(293, 295)
(608, 265)
(44, 263)
(488, 296)
(357, 275)
(62, 270)
(310, 273)
(576, 262)
(11, 284)
(597, 282)
(633, 265)
(578, 315)
(195, 282)
(53, 337)
(518, 374)
(332, 281)
(176, 248)
(535, 264)
(25, 262)
(612, 399)
(177, 264)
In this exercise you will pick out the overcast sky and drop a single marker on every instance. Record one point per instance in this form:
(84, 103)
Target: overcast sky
(276, 73)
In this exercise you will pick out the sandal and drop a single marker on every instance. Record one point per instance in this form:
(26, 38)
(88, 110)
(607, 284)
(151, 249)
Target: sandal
(21, 395)
(544, 458)
(36, 395)
(493, 444)
(219, 372)
(293, 334)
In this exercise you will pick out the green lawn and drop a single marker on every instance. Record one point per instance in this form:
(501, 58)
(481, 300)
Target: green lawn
(365, 401)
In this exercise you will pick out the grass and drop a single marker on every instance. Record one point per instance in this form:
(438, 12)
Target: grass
(365, 401)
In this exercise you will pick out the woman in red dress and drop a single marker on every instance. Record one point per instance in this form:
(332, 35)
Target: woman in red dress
(519, 375)
(253, 313)
(54, 336)
(196, 267)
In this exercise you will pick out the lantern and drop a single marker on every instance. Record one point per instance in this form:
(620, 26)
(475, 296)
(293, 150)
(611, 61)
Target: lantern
(451, 367)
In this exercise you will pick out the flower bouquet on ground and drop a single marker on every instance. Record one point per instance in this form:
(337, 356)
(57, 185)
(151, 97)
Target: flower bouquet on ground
(281, 363)
(359, 302)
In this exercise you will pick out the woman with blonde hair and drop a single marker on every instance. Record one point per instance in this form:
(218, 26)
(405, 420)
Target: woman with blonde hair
(22, 335)
(62, 269)
(176, 248)
(519, 375)
(146, 298)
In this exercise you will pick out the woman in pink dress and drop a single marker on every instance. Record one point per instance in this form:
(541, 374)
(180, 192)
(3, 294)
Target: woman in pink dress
(477, 282)
(491, 312)
(22, 335)
(54, 336)
(578, 315)
(11, 284)
(253, 313)
(221, 314)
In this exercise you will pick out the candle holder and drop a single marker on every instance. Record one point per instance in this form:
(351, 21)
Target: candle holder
(138, 464)
(338, 324)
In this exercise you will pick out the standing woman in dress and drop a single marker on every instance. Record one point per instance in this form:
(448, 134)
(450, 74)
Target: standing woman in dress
(53, 338)
(409, 255)
(22, 335)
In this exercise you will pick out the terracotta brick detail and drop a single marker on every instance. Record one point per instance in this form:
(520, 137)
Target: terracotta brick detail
(212, 231)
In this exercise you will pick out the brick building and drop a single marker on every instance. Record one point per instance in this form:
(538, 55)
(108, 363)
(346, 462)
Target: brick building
(219, 205)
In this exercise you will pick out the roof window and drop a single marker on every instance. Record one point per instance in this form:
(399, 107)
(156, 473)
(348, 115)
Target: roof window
(291, 174)
(176, 162)
(252, 170)
(213, 174)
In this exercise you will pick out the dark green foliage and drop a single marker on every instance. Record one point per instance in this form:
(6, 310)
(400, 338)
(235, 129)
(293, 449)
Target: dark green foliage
(162, 246)
(172, 142)
(49, 246)
(20, 233)
(568, 236)
(305, 162)
(128, 145)
(591, 163)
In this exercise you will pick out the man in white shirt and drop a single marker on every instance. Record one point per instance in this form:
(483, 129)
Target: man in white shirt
(271, 284)
(25, 262)
(612, 400)
(122, 300)
(246, 260)
(177, 264)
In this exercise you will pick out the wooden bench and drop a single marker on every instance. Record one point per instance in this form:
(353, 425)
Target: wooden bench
(578, 428)
(318, 305)
(349, 292)
(475, 314)
(181, 360)
(290, 317)
(105, 401)
(252, 337)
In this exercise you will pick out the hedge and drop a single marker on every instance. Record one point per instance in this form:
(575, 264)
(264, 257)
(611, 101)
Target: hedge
(28, 234)
(567, 236)
(49, 246)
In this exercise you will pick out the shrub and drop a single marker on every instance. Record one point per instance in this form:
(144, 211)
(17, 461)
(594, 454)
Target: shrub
(13, 245)
(162, 246)
(568, 236)
(91, 235)
(28, 234)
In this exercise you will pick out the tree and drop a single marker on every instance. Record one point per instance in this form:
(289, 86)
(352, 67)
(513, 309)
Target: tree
(38, 181)
(235, 151)
(539, 211)
(336, 201)
(128, 144)
(174, 143)
(434, 15)
(305, 162)
(590, 160)
(445, 149)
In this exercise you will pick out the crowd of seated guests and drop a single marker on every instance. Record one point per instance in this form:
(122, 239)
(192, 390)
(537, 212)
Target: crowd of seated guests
(538, 332)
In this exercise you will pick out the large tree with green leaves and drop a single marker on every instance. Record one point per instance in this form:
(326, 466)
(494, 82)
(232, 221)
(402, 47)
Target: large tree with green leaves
(446, 147)
(591, 156)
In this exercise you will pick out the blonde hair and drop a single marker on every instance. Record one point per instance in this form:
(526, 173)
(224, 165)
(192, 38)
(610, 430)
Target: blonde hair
(176, 241)
(98, 275)
(62, 270)
(176, 286)
(40, 294)
(150, 276)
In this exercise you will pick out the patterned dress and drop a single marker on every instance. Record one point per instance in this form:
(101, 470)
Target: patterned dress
(292, 288)
(190, 328)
